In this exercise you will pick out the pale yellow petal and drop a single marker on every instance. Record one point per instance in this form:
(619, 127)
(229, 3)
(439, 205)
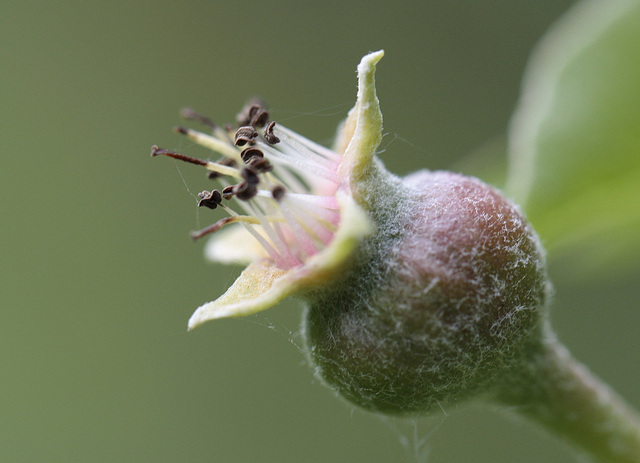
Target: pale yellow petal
(345, 132)
(362, 131)
(234, 245)
(255, 289)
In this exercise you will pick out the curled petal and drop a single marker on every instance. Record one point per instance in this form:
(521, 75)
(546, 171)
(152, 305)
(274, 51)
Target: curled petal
(257, 288)
(362, 131)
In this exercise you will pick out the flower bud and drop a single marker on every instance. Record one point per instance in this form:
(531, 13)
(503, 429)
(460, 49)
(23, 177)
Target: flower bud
(437, 303)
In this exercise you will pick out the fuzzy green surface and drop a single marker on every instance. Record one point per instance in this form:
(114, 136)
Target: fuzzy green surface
(437, 303)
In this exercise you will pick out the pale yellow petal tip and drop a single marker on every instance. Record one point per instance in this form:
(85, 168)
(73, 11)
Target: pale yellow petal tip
(205, 313)
(214, 311)
(368, 62)
(366, 81)
(366, 72)
(363, 128)
(260, 286)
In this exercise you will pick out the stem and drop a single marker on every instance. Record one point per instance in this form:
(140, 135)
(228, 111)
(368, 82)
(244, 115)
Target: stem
(558, 392)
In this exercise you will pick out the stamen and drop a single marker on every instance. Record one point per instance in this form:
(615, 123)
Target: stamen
(278, 192)
(292, 182)
(326, 202)
(315, 226)
(250, 176)
(210, 199)
(244, 191)
(244, 135)
(327, 217)
(269, 207)
(277, 171)
(210, 142)
(190, 114)
(196, 235)
(259, 116)
(156, 151)
(318, 221)
(311, 168)
(286, 134)
(227, 192)
(284, 251)
(261, 165)
(293, 148)
(251, 152)
(223, 162)
(245, 115)
(213, 166)
(269, 136)
(301, 237)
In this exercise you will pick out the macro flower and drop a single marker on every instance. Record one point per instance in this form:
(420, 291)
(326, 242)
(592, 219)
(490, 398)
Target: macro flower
(299, 212)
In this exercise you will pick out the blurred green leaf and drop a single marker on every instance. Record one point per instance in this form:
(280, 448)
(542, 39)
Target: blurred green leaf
(574, 141)
(487, 162)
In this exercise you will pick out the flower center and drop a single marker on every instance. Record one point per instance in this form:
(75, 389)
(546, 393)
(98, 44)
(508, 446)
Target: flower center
(282, 185)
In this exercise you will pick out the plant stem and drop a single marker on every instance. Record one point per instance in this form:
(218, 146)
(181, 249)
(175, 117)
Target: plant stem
(555, 390)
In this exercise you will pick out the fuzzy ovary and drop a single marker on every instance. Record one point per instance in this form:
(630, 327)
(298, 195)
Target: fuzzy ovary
(437, 304)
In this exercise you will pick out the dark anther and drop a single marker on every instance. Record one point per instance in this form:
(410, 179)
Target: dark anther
(259, 116)
(240, 188)
(223, 162)
(250, 175)
(227, 192)
(254, 115)
(181, 130)
(250, 153)
(244, 191)
(155, 151)
(244, 116)
(210, 199)
(190, 114)
(269, 136)
(227, 162)
(249, 111)
(278, 192)
(261, 165)
(244, 135)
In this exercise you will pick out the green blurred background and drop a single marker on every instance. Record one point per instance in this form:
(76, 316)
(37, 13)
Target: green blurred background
(99, 275)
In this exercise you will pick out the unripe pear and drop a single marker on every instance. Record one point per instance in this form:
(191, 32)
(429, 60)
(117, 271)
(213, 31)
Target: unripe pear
(438, 303)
